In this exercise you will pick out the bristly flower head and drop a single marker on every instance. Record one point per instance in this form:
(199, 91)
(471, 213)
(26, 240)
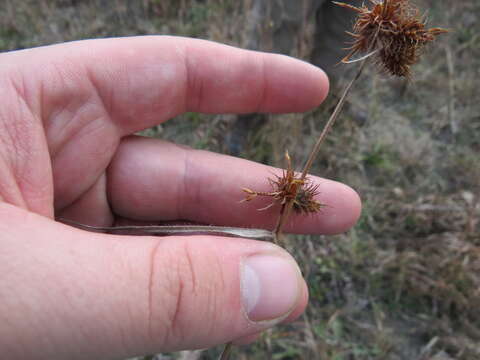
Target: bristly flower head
(394, 30)
(290, 186)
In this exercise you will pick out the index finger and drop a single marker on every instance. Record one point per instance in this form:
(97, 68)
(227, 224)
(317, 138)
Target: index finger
(142, 81)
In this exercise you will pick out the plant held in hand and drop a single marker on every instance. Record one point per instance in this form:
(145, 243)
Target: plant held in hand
(393, 33)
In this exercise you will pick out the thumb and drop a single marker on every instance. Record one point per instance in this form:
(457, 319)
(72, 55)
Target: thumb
(68, 293)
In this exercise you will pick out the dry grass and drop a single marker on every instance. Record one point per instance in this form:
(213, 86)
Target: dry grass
(404, 283)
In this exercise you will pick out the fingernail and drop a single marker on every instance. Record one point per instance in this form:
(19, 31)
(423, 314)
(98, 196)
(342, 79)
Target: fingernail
(271, 286)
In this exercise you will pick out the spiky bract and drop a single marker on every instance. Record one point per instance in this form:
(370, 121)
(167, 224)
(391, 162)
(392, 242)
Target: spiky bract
(394, 30)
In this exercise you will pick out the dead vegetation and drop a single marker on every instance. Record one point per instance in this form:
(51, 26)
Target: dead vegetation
(404, 283)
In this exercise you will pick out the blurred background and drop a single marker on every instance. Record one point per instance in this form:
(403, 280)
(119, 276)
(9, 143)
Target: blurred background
(405, 282)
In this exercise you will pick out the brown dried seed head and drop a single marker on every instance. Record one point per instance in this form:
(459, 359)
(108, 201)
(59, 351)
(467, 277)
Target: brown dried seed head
(395, 29)
(290, 186)
(305, 202)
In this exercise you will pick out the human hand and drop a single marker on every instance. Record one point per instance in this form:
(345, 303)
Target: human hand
(66, 114)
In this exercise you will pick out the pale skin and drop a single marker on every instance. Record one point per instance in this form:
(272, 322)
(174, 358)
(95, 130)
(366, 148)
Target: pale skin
(66, 116)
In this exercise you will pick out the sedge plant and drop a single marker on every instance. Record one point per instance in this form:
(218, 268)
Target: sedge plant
(392, 35)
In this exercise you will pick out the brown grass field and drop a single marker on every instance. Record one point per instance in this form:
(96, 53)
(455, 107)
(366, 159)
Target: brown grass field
(404, 283)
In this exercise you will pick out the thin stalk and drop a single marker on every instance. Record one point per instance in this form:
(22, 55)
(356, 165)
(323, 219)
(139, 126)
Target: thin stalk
(165, 230)
(286, 208)
(331, 121)
(282, 218)
(225, 355)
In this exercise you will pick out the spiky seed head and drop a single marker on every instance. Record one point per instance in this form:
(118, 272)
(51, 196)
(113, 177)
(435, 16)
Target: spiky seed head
(395, 29)
(290, 186)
